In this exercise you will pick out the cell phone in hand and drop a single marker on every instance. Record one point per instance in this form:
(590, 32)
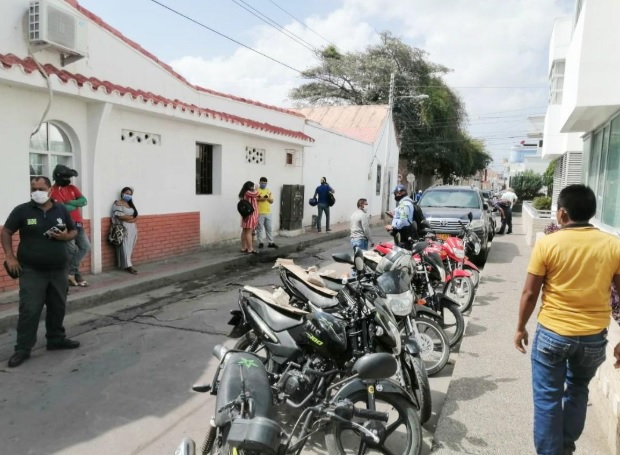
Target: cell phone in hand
(54, 230)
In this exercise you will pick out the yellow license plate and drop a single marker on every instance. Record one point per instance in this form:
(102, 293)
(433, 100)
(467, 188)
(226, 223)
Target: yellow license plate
(443, 236)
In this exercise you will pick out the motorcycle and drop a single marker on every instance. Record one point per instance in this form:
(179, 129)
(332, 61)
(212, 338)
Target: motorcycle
(363, 323)
(243, 421)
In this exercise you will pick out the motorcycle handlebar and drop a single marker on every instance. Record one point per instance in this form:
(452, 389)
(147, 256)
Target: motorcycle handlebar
(370, 414)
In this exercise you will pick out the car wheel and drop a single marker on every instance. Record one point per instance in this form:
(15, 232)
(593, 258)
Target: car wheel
(481, 258)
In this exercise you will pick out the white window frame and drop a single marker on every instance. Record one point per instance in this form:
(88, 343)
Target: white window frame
(50, 156)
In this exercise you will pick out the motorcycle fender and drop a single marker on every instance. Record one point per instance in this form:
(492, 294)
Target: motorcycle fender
(411, 346)
(460, 273)
(382, 385)
(471, 265)
(421, 309)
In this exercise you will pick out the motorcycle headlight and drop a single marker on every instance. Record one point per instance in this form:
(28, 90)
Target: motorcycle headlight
(459, 253)
(401, 304)
(477, 248)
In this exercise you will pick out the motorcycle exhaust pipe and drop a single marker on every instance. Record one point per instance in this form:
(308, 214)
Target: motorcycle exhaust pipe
(219, 352)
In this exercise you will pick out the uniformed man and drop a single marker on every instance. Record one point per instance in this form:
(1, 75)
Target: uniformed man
(403, 223)
(42, 260)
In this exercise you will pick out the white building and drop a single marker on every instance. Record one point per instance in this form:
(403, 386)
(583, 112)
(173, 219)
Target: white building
(123, 118)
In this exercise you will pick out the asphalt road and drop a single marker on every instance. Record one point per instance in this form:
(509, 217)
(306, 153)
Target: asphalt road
(127, 389)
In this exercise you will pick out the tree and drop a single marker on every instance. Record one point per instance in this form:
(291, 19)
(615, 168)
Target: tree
(431, 134)
(548, 177)
(526, 185)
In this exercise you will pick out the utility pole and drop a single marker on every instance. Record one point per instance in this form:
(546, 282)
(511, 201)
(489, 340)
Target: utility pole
(388, 125)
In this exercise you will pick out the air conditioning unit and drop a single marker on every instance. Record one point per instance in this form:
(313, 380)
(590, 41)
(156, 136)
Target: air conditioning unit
(51, 26)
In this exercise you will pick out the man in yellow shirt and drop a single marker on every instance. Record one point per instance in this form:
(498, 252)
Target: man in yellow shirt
(265, 229)
(575, 267)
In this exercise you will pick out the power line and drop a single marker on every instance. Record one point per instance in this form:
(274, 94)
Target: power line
(267, 20)
(225, 36)
(302, 23)
(529, 87)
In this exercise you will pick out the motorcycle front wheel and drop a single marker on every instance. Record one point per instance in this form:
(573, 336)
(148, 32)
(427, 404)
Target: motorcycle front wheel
(434, 345)
(418, 380)
(402, 434)
(461, 289)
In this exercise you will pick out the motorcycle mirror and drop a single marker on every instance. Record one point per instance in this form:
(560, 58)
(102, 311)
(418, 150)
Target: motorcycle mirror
(470, 216)
(359, 260)
(187, 447)
(485, 206)
(219, 352)
(425, 223)
(343, 258)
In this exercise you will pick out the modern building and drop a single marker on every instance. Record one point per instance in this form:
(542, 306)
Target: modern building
(76, 91)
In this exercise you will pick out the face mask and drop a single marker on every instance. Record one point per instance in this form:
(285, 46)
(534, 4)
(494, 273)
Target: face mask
(40, 197)
(398, 197)
(127, 197)
(364, 208)
(263, 186)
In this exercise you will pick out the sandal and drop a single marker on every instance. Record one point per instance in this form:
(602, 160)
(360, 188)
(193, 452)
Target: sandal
(81, 282)
(132, 270)
(244, 251)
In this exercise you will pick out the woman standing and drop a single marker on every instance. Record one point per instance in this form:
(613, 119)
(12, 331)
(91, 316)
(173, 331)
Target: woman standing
(124, 211)
(249, 223)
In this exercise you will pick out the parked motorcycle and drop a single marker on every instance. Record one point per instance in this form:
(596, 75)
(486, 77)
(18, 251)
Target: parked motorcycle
(363, 411)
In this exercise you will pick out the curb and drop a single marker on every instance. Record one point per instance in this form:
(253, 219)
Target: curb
(84, 300)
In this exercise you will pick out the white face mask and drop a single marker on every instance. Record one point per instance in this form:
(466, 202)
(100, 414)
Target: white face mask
(40, 197)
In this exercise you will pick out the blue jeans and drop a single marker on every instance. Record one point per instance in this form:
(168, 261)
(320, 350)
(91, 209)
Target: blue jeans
(562, 368)
(360, 243)
(78, 249)
(264, 228)
(322, 208)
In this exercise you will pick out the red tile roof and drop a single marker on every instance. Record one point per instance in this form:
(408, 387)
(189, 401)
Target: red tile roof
(28, 65)
(97, 20)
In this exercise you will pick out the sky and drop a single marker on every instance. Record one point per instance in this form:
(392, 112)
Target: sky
(497, 49)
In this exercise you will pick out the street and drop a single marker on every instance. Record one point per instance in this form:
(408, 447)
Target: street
(127, 389)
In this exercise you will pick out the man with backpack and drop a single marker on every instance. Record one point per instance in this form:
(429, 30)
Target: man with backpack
(325, 198)
(403, 223)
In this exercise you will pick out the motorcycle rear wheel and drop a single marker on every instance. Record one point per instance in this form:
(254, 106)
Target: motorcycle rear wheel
(386, 402)
(249, 343)
(453, 323)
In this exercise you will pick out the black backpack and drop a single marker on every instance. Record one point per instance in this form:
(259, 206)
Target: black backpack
(331, 200)
(244, 208)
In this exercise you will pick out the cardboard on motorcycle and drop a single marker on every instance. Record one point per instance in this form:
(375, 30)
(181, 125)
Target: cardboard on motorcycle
(303, 275)
(269, 298)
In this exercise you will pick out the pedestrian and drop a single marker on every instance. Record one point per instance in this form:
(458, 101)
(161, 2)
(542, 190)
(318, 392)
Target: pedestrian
(361, 236)
(322, 195)
(403, 224)
(510, 196)
(248, 223)
(575, 267)
(71, 196)
(124, 212)
(41, 263)
(418, 196)
(265, 227)
(505, 212)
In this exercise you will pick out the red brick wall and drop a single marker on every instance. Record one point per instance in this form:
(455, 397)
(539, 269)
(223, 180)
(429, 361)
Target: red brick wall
(159, 237)
(9, 284)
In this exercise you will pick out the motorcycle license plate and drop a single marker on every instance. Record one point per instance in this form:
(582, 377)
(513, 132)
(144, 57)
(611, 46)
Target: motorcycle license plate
(443, 236)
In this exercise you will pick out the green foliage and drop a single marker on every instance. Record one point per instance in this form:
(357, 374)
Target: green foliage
(548, 177)
(526, 185)
(542, 203)
(431, 133)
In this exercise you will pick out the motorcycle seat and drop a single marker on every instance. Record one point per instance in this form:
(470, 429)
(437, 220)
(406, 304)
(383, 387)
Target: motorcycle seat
(248, 366)
(275, 319)
(321, 299)
(294, 271)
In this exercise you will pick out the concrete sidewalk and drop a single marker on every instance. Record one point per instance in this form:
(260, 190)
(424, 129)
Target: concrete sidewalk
(117, 284)
(488, 407)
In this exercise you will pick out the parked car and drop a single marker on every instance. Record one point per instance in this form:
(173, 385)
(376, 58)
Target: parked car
(445, 206)
(490, 198)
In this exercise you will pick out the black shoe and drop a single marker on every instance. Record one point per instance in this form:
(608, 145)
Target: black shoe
(318, 230)
(18, 358)
(509, 232)
(64, 344)
(328, 230)
(272, 245)
(500, 233)
(260, 245)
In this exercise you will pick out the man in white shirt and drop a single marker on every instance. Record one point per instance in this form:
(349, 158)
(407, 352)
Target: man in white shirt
(361, 236)
(510, 196)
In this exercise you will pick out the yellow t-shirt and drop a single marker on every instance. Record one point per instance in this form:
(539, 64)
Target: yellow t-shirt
(264, 206)
(578, 265)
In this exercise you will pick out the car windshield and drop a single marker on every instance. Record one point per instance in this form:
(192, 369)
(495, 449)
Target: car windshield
(450, 199)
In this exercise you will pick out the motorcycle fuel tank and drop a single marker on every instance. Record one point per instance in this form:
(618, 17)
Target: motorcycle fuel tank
(323, 333)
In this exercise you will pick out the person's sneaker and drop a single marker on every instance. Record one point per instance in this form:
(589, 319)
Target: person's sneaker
(272, 245)
(18, 358)
(64, 344)
(260, 245)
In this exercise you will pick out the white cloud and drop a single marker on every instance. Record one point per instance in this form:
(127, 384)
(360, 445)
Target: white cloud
(486, 43)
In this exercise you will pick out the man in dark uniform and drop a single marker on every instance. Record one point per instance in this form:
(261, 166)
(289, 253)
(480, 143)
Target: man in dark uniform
(505, 212)
(42, 260)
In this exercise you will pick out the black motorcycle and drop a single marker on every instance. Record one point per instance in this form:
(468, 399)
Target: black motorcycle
(365, 411)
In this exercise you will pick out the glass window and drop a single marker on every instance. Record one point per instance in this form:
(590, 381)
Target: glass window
(48, 147)
(595, 156)
(600, 189)
(611, 212)
(587, 152)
